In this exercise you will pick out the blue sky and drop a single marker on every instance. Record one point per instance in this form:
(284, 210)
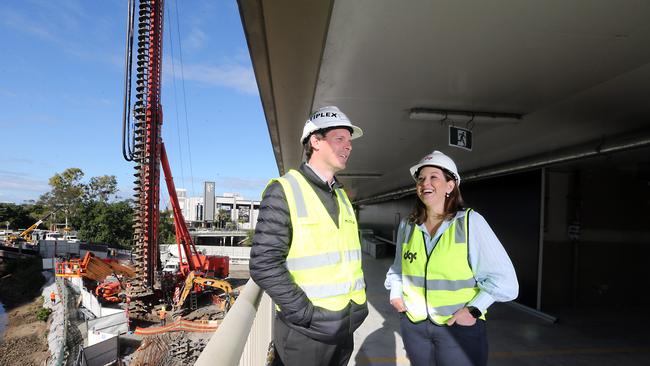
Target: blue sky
(61, 91)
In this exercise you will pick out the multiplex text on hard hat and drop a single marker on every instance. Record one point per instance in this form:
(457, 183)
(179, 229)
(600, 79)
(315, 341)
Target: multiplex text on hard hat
(326, 117)
(437, 159)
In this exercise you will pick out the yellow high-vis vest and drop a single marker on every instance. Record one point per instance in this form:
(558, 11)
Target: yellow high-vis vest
(324, 260)
(437, 285)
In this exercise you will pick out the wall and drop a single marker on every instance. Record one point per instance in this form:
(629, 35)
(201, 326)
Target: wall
(511, 205)
(610, 204)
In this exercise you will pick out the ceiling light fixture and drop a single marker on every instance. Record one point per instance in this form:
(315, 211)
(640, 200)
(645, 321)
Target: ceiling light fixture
(427, 114)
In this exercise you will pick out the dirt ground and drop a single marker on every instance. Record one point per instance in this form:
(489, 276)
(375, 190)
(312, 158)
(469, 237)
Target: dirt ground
(25, 340)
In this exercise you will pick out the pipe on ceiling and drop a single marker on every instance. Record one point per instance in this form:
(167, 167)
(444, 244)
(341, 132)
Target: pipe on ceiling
(604, 146)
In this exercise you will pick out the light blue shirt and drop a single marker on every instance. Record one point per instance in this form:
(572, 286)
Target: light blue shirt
(492, 268)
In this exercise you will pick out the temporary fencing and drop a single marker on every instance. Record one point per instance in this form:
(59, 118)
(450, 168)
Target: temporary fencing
(180, 325)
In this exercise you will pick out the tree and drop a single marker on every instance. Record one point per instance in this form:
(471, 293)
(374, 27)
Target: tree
(166, 228)
(67, 191)
(223, 217)
(109, 223)
(18, 216)
(101, 188)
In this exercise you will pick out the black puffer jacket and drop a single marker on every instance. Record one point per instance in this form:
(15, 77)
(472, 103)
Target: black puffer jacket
(268, 269)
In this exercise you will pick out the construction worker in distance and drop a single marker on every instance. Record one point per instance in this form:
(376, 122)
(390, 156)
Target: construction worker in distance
(162, 314)
(53, 297)
(306, 253)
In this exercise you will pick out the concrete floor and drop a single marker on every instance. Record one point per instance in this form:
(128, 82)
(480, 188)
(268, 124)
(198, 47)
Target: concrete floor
(580, 337)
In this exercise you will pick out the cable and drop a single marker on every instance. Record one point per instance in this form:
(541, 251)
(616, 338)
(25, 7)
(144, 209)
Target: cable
(180, 55)
(178, 126)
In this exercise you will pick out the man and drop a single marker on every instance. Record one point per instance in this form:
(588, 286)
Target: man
(53, 297)
(306, 253)
(162, 314)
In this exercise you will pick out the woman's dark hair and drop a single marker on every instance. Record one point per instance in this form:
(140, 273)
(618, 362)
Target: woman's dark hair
(453, 203)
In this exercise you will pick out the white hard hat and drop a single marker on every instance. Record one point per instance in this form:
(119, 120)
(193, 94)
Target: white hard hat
(326, 117)
(437, 159)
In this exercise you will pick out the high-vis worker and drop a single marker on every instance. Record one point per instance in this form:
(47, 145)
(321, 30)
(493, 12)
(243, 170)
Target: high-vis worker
(449, 268)
(306, 253)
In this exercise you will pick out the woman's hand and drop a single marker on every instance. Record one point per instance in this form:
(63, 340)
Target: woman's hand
(462, 317)
(398, 304)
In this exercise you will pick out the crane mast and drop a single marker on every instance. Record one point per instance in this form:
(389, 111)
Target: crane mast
(142, 140)
(142, 144)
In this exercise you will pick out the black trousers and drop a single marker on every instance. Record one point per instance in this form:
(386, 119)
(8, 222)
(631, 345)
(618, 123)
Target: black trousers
(456, 345)
(293, 348)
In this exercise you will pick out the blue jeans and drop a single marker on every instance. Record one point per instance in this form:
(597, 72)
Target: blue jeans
(456, 345)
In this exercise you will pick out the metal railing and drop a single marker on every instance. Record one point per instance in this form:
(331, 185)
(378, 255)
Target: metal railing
(244, 336)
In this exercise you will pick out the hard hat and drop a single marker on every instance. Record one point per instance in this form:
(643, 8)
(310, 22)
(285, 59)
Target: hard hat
(325, 117)
(437, 159)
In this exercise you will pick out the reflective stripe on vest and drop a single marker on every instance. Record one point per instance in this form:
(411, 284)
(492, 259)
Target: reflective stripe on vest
(437, 285)
(324, 259)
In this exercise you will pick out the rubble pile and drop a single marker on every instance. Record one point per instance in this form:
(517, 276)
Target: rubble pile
(168, 349)
(184, 351)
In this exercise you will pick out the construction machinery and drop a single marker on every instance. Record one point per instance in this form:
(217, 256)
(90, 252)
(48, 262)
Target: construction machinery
(93, 268)
(142, 144)
(197, 284)
(111, 290)
(26, 235)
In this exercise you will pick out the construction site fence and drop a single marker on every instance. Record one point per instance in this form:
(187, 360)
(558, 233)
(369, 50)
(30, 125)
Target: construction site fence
(64, 297)
(245, 334)
(180, 325)
(90, 302)
(101, 329)
(99, 354)
(236, 254)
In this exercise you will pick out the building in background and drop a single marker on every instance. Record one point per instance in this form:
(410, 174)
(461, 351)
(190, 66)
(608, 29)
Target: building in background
(229, 211)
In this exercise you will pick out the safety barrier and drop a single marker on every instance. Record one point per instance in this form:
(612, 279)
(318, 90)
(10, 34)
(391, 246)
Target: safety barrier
(180, 325)
(243, 337)
(63, 301)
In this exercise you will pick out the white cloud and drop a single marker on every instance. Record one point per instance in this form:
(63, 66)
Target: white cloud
(233, 183)
(238, 77)
(7, 93)
(16, 186)
(195, 39)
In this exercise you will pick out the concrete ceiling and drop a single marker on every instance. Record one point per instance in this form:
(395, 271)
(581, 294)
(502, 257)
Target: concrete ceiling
(578, 72)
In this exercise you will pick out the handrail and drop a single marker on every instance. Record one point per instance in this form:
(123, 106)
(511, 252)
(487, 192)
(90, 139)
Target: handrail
(238, 332)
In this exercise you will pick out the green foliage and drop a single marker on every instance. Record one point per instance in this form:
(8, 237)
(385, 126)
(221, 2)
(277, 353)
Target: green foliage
(103, 222)
(166, 229)
(19, 216)
(43, 313)
(67, 191)
(223, 217)
(249, 238)
(101, 188)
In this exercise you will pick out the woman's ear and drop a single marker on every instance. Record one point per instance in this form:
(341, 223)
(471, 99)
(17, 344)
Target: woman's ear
(450, 186)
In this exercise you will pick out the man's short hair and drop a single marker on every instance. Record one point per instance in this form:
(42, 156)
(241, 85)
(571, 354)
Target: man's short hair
(320, 134)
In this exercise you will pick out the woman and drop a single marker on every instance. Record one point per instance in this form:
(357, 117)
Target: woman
(449, 268)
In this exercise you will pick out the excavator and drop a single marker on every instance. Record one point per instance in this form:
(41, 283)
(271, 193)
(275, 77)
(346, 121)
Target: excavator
(25, 236)
(142, 144)
(195, 284)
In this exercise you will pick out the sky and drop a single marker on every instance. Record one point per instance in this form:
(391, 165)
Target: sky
(62, 90)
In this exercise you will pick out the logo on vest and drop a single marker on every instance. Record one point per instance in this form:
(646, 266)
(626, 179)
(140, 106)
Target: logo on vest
(410, 256)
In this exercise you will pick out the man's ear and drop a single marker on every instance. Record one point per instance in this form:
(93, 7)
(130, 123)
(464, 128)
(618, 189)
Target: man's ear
(315, 142)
